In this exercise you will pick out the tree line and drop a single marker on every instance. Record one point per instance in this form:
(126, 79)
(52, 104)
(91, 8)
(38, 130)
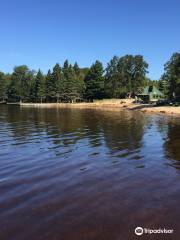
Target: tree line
(170, 81)
(122, 77)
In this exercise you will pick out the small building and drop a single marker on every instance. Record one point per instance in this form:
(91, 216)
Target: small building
(151, 94)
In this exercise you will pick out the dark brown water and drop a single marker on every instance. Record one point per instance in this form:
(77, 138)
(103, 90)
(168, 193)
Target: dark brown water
(87, 174)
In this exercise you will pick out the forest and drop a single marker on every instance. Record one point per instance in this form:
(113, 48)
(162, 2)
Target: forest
(123, 76)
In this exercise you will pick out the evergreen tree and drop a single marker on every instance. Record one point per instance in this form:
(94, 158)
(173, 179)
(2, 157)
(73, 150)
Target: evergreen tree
(164, 85)
(48, 85)
(32, 94)
(76, 69)
(56, 77)
(94, 81)
(70, 82)
(79, 80)
(39, 87)
(112, 82)
(3, 87)
(172, 75)
(66, 84)
(123, 75)
(53, 88)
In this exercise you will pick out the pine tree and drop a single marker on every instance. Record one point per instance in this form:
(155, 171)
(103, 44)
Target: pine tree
(111, 78)
(95, 82)
(50, 88)
(65, 81)
(56, 78)
(3, 87)
(39, 87)
(48, 85)
(76, 69)
(172, 75)
(80, 84)
(73, 84)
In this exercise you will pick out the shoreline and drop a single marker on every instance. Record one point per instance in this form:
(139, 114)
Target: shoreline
(111, 104)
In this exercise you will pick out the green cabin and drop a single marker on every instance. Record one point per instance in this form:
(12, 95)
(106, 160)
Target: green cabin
(151, 94)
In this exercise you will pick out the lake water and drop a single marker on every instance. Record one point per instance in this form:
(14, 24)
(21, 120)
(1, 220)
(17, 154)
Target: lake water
(71, 174)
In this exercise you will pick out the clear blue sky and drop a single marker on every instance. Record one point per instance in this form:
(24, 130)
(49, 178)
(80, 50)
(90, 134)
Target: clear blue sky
(40, 33)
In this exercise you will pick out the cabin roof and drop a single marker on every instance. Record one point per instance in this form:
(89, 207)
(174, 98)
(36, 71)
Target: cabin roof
(148, 90)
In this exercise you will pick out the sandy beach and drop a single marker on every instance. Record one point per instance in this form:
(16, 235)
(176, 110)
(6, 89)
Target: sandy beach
(112, 104)
(168, 110)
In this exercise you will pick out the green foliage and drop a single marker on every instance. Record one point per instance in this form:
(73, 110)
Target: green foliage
(39, 87)
(164, 85)
(94, 82)
(56, 79)
(53, 88)
(171, 77)
(3, 87)
(19, 88)
(151, 82)
(48, 85)
(76, 69)
(79, 80)
(72, 82)
(125, 75)
(112, 80)
(66, 84)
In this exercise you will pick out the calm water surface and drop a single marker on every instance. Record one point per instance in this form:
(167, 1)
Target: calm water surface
(87, 174)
